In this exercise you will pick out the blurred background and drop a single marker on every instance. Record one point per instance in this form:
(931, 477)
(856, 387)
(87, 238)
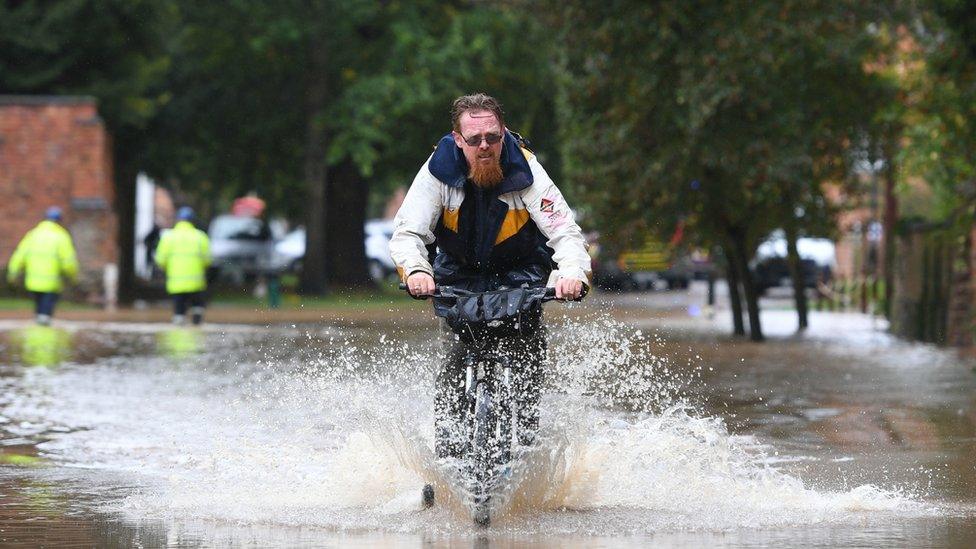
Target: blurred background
(822, 151)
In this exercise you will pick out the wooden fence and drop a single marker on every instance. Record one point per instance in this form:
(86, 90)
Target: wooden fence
(862, 293)
(932, 297)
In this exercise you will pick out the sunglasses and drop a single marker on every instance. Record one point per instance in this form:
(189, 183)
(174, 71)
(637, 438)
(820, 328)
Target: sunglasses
(490, 138)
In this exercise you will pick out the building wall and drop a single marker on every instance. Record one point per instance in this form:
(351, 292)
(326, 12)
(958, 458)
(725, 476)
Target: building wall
(55, 151)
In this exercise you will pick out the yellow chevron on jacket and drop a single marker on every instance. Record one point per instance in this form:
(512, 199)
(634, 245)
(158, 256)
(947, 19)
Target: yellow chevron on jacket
(515, 219)
(451, 218)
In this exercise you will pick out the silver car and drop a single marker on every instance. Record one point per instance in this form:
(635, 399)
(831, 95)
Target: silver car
(289, 251)
(241, 247)
(377, 240)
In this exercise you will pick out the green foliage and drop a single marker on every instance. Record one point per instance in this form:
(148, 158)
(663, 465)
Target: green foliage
(391, 116)
(107, 49)
(728, 115)
(940, 90)
(235, 118)
(236, 121)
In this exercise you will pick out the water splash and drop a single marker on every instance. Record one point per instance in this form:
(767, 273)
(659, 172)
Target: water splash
(334, 430)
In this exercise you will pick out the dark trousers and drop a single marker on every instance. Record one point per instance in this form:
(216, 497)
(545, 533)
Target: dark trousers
(526, 354)
(44, 302)
(195, 301)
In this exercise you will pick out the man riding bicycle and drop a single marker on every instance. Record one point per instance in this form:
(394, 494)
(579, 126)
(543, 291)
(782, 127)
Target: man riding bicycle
(482, 214)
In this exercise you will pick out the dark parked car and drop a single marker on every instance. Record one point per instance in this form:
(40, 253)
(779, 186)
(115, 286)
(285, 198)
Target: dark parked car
(773, 272)
(817, 260)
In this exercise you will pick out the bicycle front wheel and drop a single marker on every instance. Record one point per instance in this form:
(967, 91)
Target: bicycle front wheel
(483, 450)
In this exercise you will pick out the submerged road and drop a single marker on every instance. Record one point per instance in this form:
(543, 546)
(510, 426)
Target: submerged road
(657, 428)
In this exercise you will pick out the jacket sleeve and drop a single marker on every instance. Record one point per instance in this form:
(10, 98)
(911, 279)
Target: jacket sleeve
(68, 258)
(552, 215)
(16, 263)
(162, 251)
(205, 255)
(413, 226)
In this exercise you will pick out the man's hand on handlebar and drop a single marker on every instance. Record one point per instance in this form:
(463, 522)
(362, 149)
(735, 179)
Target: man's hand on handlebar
(569, 288)
(420, 284)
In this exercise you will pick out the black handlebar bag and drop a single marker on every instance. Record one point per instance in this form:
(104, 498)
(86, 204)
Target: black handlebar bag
(499, 313)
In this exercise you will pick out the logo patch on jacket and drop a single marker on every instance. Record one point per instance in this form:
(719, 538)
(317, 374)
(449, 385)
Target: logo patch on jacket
(547, 205)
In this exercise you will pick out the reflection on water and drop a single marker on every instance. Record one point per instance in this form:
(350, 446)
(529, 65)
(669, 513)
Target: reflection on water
(179, 342)
(38, 511)
(42, 345)
(287, 436)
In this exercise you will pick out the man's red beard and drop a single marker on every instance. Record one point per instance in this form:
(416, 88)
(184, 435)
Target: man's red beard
(487, 174)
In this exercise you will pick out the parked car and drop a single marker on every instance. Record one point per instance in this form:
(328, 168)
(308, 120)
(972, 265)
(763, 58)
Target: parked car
(241, 246)
(290, 250)
(817, 261)
(644, 266)
(377, 241)
(774, 272)
(654, 265)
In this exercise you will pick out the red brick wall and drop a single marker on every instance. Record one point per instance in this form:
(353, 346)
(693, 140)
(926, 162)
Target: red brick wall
(55, 151)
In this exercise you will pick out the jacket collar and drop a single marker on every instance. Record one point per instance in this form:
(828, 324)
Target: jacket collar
(49, 225)
(449, 166)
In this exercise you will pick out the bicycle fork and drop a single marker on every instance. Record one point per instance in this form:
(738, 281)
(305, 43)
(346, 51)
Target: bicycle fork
(492, 407)
(489, 390)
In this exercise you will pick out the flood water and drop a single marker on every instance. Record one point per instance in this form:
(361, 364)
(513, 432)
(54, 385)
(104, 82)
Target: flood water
(656, 429)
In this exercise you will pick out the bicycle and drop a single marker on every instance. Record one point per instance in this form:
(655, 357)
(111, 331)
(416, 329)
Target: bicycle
(489, 422)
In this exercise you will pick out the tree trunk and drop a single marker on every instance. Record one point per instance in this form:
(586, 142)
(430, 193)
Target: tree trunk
(748, 284)
(125, 211)
(735, 298)
(888, 225)
(796, 273)
(314, 267)
(346, 201)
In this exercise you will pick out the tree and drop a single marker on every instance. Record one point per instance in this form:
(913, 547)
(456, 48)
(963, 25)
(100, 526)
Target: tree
(723, 114)
(329, 97)
(257, 89)
(940, 106)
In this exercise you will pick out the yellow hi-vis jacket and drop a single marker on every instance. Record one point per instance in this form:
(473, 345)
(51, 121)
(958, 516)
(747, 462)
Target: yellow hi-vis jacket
(184, 253)
(45, 255)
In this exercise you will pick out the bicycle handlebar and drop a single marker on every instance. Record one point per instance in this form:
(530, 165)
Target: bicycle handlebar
(450, 291)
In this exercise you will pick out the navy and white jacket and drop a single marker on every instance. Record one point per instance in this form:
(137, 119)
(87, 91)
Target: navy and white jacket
(522, 231)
